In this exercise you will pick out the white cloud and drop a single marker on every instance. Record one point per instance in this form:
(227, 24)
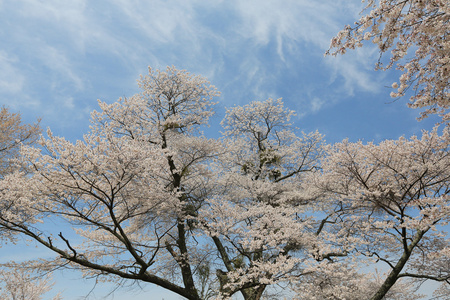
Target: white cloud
(11, 78)
(69, 102)
(316, 104)
(161, 21)
(357, 70)
(294, 20)
(311, 24)
(60, 65)
(247, 44)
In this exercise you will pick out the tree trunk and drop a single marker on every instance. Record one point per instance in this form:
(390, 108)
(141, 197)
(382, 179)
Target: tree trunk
(394, 274)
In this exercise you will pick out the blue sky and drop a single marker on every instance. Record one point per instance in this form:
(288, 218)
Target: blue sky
(58, 57)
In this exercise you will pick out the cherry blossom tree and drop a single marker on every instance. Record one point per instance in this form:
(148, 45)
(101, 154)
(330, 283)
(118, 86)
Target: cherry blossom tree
(416, 32)
(346, 280)
(147, 195)
(391, 202)
(13, 133)
(18, 284)
(257, 220)
(126, 188)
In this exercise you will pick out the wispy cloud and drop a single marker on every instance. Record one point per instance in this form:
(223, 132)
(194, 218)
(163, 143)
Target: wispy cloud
(60, 66)
(85, 50)
(11, 80)
(293, 21)
(316, 104)
(356, 70)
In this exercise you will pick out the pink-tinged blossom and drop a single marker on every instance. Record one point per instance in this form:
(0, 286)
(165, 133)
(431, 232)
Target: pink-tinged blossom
(126, 189)
(394, 197)
(146, 197)
(259, 218)
(19, 284)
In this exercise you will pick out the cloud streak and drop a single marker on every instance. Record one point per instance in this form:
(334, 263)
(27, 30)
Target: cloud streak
(246, 48)
(11, 81)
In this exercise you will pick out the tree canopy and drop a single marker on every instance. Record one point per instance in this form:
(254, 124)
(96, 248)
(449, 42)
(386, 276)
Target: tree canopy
(13, 133)
(147, 197)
